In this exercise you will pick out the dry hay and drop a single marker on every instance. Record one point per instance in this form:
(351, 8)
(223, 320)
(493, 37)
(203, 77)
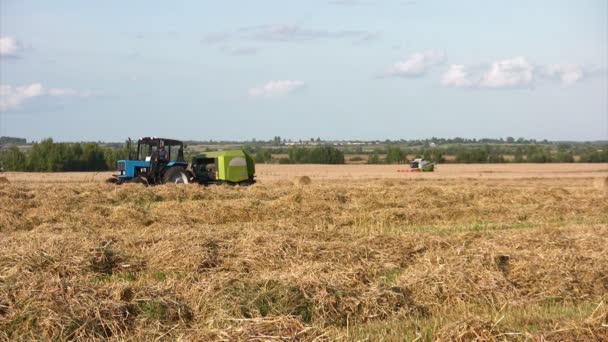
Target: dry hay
(283, 328)
(446, 171)
(283, 182)
(601, 183)
(388, 182)
(471, 329)
(278, 262)
(304, 180)
(4, 180)
(593, 328)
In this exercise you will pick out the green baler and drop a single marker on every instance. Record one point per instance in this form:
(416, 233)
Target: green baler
(232, 167)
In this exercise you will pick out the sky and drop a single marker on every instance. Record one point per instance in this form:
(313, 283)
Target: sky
(335, 69)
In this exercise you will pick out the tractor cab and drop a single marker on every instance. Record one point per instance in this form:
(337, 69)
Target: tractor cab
(165, 150)
(157, 160)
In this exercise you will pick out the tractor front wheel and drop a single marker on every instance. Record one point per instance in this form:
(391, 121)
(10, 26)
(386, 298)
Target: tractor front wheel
(175, 175)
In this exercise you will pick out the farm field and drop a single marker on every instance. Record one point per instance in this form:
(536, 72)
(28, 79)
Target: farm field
(310, 253)
(276, 172)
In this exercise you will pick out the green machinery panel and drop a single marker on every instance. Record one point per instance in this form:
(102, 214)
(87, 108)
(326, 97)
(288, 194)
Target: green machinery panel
(233, 165)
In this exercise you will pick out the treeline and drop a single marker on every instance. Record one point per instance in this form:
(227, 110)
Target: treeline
(492, 154)
(48, 156)
(317, 155)
(531, 154)
(397, 155)
(324, 154)
(465, 154)
(280, 141)
(12, 140)
(458, 140)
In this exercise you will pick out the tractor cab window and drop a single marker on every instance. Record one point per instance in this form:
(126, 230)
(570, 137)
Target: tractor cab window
(159, 149)
(152, 150)
(144, 151)
(174, 152)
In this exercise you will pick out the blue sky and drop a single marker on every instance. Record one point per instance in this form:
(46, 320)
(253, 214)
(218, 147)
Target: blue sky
(342, 69)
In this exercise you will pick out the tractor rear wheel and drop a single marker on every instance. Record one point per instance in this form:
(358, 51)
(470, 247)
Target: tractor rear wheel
(175, 175)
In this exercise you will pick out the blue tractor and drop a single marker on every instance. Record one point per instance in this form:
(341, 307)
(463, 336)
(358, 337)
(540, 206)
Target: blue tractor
(157, 161)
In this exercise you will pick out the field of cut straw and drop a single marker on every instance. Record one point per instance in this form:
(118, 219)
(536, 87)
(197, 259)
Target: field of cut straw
(358, 253)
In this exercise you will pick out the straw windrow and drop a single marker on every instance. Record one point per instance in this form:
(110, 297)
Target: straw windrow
(431, 259)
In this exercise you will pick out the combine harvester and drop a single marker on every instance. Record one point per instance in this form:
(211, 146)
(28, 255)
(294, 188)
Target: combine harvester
(161, 161)
(419, 165)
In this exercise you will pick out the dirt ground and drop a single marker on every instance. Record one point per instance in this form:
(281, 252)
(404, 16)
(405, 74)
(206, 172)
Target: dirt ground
(309, 253)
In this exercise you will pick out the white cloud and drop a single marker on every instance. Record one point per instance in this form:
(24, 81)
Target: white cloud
(9, 47)
(276, 89)
(13, 97)
(417, 64)
(228, 41)
(514, 73)
(508, 73)
(286, 33)
(568, 74)
(456, 76)
(296, 33)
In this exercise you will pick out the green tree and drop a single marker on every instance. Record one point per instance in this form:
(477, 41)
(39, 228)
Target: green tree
(395, 155)
(594, 155)
(433, 154)
(92, 158)
(12, 140)
(519, 155)
(496, 158)
(565, 157)
(37, 159)
(472, 155)
(374, 158)
(13, 159)
(298, 154)
(538, 154)
(113, 155)
(50, 156)
(263, 156)
(324, 154)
